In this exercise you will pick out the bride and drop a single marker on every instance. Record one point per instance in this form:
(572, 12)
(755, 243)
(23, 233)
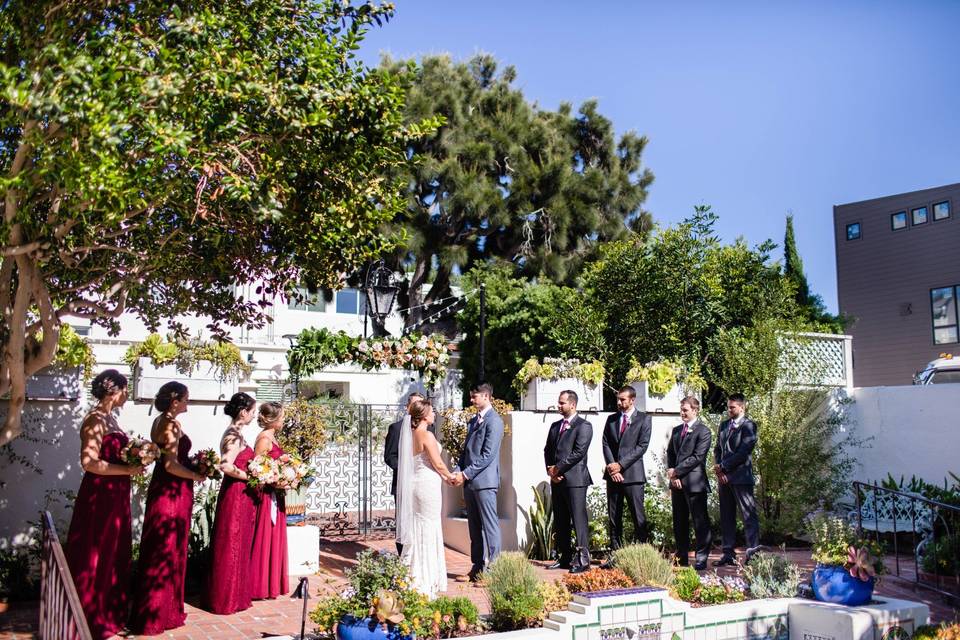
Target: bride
(420, 476)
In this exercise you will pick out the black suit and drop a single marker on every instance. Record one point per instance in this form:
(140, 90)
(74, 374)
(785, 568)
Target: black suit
(627, 450)
(732, 453)
(391, 456)
(568, 453)
(687, 455)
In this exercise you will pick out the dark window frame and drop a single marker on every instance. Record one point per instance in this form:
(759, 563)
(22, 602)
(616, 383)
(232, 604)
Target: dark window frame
(859, 231)
(933, 209)
(913, 218)
(956, 315)
(893, 226)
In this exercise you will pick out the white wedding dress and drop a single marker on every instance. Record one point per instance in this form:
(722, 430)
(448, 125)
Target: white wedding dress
(423, 552)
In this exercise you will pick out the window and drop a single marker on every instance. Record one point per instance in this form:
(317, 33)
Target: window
(919, 215)
(899, 220)
(310, 302)
(943, 303)
(350, 301)
(941, 211)
(853, 231)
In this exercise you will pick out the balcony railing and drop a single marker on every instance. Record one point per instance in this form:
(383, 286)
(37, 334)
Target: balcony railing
(61, 617)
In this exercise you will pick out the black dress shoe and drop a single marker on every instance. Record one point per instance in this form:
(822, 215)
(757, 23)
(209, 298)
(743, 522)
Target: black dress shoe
(752, 551)
(701, 565)
(725, 561)
(606, 565)
(580, 568)
(559, 564)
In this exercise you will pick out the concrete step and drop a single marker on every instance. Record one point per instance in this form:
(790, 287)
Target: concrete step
(553, 626)
(576, 607)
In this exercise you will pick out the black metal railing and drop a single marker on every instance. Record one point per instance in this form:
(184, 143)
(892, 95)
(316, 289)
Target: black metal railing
(932, 527)
(61, 617)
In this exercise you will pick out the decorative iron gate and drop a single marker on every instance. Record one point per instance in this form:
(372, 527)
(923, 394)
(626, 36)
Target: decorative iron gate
(350, 495)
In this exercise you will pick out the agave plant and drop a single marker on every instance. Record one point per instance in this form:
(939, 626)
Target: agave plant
(540, 522)
(387, 607)
(860, 563)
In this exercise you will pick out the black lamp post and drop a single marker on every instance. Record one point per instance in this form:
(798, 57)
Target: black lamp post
(381, 289)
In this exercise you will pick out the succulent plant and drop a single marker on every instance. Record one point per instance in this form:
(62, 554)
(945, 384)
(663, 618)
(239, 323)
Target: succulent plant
(387, 607)
(860, 563)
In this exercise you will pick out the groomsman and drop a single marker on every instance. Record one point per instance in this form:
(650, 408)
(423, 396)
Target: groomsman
(391, 450)
(687, 461)
(626, 436)
(734, 469)
(565, 456)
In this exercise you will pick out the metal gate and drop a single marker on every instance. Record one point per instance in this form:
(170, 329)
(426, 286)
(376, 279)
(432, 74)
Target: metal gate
(350, 495)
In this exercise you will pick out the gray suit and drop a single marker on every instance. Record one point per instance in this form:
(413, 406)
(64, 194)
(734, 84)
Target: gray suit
(480, 464)
(732, 453)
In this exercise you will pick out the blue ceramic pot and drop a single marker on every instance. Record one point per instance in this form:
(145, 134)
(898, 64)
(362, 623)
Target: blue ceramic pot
(351, 628)
(834, 584)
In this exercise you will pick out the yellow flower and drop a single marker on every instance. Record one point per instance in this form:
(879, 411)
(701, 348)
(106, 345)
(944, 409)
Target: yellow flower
(436, 617)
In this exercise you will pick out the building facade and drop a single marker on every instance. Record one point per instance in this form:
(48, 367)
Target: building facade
(898, 278)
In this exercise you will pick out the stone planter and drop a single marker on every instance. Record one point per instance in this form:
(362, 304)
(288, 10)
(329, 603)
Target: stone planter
(835, 584)
(542, 394)
(201, 382)
(351, 628)
(667, 403)
(54, 383)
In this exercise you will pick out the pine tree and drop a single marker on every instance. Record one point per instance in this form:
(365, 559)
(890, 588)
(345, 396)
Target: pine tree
(793, 265)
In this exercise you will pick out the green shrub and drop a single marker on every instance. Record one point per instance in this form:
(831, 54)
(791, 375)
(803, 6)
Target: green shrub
(456, 608)
(943, 556)
(644, 564)
(556, 597)
(926, 632)
(771, 575)
(514, 592)
(686, 583)
(374, 571)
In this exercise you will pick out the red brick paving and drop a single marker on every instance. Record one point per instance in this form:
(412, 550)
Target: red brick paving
(282, 616)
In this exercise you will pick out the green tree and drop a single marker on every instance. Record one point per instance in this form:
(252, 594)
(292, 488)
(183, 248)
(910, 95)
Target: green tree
(811, 304)
(670, 296)
(153, 154)
(505, 179)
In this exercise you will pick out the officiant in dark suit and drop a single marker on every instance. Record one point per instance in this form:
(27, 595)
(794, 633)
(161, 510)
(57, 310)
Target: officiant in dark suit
(734, 469)
(391, 449)
(626, 436)
(565, 457)
(687, 454)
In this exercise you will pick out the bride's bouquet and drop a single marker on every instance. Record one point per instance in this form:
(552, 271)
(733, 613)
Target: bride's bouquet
(206, 462)
(139, 452)
(262, 470)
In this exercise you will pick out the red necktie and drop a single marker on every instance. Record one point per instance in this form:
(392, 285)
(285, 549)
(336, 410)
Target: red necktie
(683, 434)
(563, 428)
(623, 424)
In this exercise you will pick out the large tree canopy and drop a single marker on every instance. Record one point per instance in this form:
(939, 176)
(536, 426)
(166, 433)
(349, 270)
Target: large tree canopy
(152, 155)
(505, 179)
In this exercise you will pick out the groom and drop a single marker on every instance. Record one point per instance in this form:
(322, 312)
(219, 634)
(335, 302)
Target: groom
(480, 477)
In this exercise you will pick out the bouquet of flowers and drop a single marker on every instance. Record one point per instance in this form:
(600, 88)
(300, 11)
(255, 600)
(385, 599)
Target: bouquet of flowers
(293, 471)
(206, 462)
(262, 470)
(139, 452)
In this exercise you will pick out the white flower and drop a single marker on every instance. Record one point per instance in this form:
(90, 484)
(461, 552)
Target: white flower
(377, 346)
(422, 343)
(363, 347)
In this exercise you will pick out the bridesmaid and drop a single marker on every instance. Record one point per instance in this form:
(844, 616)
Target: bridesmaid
(158, 600)
(268, 576)
(228, 584)
(99, 543)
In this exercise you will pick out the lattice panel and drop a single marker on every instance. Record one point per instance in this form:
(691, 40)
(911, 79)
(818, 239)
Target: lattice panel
(816, 360)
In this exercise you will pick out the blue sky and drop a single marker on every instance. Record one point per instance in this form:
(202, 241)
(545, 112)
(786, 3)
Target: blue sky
(756, 108)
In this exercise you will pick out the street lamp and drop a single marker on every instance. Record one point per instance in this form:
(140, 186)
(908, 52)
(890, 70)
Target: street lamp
(381, 289)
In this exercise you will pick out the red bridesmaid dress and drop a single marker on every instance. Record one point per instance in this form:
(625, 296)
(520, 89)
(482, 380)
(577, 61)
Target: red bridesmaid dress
(99, 543)
(158, 602)
(268, 559)
(228, 583)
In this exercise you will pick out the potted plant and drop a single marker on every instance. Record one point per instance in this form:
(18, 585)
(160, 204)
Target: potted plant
(379, 604)
(539, 384)
(304, 434)
(847, 566)
(662, 384)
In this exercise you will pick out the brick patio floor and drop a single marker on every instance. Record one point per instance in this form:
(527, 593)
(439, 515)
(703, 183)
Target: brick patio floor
(282, 616)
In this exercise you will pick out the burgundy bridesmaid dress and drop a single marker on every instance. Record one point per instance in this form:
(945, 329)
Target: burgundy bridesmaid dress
(268, 559)
(158, 602)
(228, 584)
(99, 545)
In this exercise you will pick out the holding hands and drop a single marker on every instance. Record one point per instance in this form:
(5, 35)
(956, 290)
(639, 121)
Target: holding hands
(455, 479)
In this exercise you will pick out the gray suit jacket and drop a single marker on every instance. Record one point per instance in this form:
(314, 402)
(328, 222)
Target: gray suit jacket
(480, 460)
(732, 453)
(628, 450)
